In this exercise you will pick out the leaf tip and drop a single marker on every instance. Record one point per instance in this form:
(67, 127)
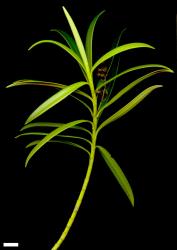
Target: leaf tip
(132, 200)
(27, 121)
(22, 129)
(152, 47)
(30, 47)
(171, 71)
(51, 30)
(27, 160)
(102, 12)
(159, 86)
(64, 9)
(26, 163)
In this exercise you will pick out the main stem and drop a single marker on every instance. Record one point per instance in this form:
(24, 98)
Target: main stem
(87, 177)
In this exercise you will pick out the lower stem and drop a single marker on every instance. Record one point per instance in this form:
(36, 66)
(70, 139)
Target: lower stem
(81, 195)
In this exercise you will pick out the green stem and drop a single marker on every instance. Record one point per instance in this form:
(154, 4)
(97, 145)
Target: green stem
(88, 174)
(80, 198)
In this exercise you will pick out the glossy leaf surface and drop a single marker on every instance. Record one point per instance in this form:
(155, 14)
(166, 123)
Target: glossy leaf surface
(118, 173)
(55, 99)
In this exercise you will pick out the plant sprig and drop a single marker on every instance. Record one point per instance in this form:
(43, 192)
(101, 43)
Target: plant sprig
(83, 55)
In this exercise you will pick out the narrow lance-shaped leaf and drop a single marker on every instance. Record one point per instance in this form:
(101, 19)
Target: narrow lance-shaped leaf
(129, 106)
(78, 40)
(118, 173)
(89, 38)
(113, 58)
(42, 124)
(119, 50)
(50, 136)
(51, 125)
(64, 47)
(84, 104)
(55, 99)
(32, 133)
(113, 70)
(131, 85)
(72, 44)
(25, 82)
(70, 41)
(144, 66)
(33, 143)
(75, 137)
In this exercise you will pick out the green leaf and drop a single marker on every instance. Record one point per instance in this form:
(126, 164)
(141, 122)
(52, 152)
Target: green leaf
(50, 136)
(64, 47)
(119, 50)
(131, 85)
(113, 58)
(70, 41)
(118, 173)
(144, 66)
(83, 94)
(61, 136)
(33, 143)
(42, 124)
(75, 137)
(55, 99)
(52, 125)
(78, 40)
(26, 82)
(89, 38)
(36, 83)
(72, 44)
(84, 104)
(31, 133)
(112, 70)
(129, 106)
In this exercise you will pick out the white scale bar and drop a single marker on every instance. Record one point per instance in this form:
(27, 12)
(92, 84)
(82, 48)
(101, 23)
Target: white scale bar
(14, 244)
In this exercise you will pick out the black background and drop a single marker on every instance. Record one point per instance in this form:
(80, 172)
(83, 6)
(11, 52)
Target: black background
(36, 202)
